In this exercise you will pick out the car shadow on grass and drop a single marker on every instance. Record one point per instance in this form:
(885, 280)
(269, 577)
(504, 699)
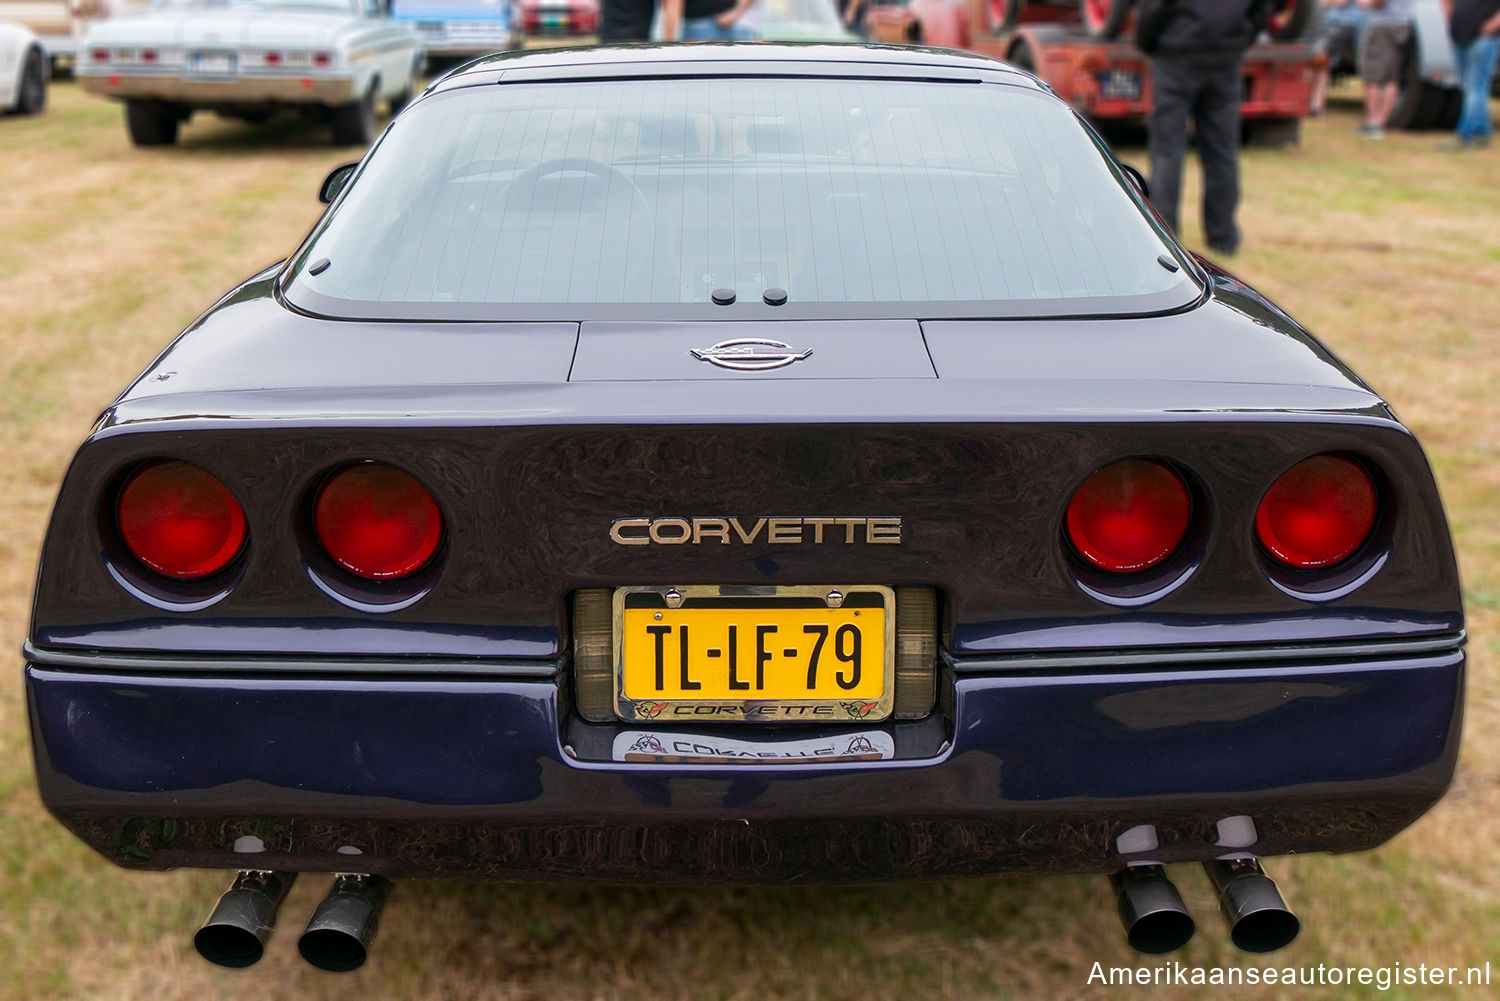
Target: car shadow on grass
(209, 135)
(771, 941)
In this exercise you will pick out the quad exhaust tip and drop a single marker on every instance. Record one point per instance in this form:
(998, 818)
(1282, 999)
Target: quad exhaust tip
(339, 935)
(1157, 921)
(337, 938)
(1258, 918)
(235, 933)
(1155, 918)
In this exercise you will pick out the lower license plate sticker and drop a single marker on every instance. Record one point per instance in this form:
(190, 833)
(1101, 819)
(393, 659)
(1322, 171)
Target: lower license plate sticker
(672, 747)
(780, 654)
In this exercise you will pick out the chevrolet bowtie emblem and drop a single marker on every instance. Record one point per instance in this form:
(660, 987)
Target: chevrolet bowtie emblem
(751, 354)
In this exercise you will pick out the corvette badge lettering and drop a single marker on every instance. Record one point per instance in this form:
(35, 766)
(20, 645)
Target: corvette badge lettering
(882, 531)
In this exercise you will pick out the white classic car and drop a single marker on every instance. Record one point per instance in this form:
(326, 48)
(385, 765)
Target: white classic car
(23, 70)
(250, 58)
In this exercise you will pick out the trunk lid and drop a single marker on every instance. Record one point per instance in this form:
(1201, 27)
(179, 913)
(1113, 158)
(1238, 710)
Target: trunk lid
(800, 349)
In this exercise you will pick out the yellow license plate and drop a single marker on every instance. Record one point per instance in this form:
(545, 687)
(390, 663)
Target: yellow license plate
(765, 654)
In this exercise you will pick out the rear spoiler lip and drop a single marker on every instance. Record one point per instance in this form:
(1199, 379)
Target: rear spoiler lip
(679, 404)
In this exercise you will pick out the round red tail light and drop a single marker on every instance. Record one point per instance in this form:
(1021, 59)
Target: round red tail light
(1318, 513)
(1129, 516)
(179, 520)
(377, 522)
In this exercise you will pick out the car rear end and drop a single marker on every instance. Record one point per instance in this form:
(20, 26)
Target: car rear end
(232, 58)
(1024, 701)
(608, 560)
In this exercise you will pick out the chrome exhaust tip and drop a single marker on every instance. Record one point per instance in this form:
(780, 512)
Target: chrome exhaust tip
(1155, 918)
(1258, 918)
(338, 937)
(235, 933)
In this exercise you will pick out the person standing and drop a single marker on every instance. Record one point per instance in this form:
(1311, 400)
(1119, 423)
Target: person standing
(1338, 31)
(1382, 56)
(1475, 27)
(701, 20)
(625, 21)
(1197, 50)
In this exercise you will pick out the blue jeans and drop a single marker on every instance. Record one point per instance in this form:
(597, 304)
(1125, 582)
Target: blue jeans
(706, 29)
(1476, 65)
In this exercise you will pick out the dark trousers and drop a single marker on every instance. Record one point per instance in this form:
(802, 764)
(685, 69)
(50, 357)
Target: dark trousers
(1207, 86)
(625, 21)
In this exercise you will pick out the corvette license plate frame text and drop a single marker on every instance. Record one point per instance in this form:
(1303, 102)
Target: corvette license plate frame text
(763, 654)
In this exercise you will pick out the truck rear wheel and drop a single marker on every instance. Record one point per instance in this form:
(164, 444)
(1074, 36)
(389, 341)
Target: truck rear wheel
(150, 124)
(1104, 18)
(1291, 19)
(1005, 14)
(1021, 57)
(1422, 103)
(1454, 110)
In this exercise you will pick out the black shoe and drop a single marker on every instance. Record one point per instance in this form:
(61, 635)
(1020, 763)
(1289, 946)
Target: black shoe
(1223, 249)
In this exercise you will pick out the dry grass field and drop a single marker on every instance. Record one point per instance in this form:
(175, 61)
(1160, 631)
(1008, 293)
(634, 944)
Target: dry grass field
(1389, 251)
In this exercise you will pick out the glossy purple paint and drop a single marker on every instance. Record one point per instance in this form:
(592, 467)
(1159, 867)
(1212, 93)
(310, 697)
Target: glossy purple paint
(530, 470)
(426, 724)
(1069, 762)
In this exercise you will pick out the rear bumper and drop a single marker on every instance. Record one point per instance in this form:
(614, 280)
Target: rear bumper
(470, 777)
(245, 89)
(1278, 76)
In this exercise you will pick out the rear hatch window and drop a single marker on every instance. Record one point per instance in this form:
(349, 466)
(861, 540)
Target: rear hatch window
(643, 198)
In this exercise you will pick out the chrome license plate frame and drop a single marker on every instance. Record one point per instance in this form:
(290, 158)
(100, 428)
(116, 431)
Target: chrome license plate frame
(814, 604)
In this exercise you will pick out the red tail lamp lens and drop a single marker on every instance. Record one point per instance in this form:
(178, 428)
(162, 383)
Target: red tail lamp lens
(1129, 516)
(180, 521)
(1318, 513)
(377, 522)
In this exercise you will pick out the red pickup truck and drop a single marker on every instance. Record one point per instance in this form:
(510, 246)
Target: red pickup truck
(1081, 48)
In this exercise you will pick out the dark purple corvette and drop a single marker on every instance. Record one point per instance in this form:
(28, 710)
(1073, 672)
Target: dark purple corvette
(742, 463)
